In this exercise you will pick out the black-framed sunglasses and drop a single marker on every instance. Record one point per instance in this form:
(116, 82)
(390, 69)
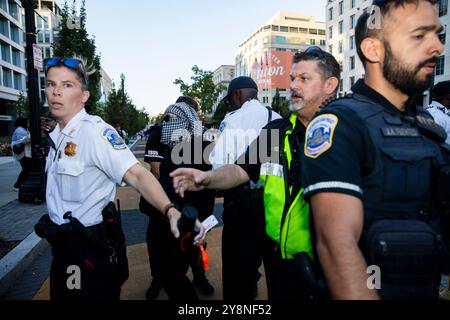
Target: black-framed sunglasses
(70, 63)
(314, 51)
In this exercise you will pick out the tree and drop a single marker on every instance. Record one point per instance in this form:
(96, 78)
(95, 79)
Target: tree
(22, 106)
(280, 104)
(202, 88)
(73, 40)
(119, 109)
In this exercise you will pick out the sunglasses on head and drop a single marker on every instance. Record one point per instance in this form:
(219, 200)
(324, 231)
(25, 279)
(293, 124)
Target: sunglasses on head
(70, 63)
(314, 51)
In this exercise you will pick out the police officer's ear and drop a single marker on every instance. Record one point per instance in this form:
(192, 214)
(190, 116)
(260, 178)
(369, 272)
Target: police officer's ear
(330, 85)
(85, 97)
(373, 50)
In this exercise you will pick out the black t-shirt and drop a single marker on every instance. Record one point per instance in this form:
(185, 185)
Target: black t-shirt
(339, 151)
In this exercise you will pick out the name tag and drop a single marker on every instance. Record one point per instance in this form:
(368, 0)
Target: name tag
(400, 132)
(272, 169)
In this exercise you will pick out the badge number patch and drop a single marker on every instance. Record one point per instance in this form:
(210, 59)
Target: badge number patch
(319, 136)
(113, 138)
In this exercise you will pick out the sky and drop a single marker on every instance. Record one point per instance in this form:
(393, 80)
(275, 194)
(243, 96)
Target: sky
(154, 42)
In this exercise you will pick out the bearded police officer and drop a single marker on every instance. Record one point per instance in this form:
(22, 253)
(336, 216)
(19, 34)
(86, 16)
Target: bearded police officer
(372, 160)
(87, 160)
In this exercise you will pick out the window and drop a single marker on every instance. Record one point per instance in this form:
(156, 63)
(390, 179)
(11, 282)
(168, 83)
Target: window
(440, 65)
(322, 43)
(14, 10)
(293, 29)
(266, 40)
(15, 35)
(330, 49)
(352, 4)
(16, 58)
(341, 85)
(312, 42)
(330, 32)
(275, 28)
(341, 27)
(284, 29)
(330, 13)
(341, 7)
(322, 32)
(443, 5)
(46, 22)
(6, 52)
(47, 36)
(352, 42)
(341, 67)
(352, 62)
(340, 47)
(3, 5)
(4, 27)
(303, 30)
(352, 81)
(18, 81)
(312, 31)
(7, 78)
(352, 21)
(39, 22)
(47, 53)
(42, 82)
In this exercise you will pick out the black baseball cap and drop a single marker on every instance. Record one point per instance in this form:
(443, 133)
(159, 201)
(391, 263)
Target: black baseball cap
(239, 83)
(441, 89)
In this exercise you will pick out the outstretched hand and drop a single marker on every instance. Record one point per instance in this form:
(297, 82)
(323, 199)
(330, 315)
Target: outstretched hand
(187, 179)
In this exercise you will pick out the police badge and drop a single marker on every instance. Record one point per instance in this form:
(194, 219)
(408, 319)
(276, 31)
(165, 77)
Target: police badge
(71, 149)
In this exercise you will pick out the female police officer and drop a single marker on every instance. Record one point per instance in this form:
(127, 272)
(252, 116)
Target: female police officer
(86, 162)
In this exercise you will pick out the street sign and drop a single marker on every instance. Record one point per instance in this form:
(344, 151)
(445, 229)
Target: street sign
(37, 54)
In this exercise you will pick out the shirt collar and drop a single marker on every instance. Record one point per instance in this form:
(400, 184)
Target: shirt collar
(440, 106)
(71, 128)
(360, 87)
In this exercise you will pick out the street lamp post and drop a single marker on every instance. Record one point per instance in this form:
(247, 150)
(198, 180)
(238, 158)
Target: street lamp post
(31, 191)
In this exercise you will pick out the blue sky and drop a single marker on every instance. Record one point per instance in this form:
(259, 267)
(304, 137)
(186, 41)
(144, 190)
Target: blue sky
(154, 42)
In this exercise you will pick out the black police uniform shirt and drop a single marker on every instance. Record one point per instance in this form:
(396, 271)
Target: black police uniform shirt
(338, 159)
(296, 140)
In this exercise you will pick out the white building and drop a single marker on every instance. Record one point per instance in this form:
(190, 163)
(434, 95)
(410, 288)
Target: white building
(12, 66)
(341, 18)
(266, 55)
(105, 85)
(222, 76)
(48, 21)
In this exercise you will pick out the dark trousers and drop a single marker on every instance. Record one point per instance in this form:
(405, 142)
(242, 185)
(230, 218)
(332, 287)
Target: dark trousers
(242, 243)
(81, 271)
(25, 163)
(167, 261)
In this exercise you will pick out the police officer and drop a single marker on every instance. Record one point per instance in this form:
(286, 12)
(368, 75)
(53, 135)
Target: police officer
(243, 206)
(87, 160)
(440, 106)
(314, 80)
(369, 159)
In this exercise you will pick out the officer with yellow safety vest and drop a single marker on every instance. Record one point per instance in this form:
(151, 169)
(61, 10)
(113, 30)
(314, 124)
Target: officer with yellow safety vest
(274, 160)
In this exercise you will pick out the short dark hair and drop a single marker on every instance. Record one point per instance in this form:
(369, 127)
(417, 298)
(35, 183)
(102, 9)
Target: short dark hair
(190, 101)
(441, 89)
(362, 30)
(328, 66)
(21, 122)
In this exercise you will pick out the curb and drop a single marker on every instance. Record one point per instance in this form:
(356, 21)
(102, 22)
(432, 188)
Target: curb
(17, 260)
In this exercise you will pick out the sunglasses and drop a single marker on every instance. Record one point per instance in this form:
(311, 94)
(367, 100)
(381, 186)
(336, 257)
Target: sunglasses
(70, 63)
(314, 51)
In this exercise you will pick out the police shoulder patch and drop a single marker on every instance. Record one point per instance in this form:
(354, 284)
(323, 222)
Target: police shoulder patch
(110, 135)
(319, 135)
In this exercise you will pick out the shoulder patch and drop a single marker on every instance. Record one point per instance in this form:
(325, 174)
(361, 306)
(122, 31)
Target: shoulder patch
(110, 135)
(319, 135)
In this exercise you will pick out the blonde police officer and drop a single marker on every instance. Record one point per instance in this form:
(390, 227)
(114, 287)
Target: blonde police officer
(88, 159)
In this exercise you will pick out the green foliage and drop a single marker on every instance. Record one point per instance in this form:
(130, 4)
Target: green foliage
(119, 109)
(157, 119)
(202, 88)
(280, 105)
(22, 107)
(74, 41)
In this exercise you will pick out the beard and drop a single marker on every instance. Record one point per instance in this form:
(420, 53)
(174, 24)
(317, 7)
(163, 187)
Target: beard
(403, 77)
(295, 107)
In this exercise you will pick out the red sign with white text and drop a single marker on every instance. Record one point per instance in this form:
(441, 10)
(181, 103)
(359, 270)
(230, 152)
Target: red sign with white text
(272, 70)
